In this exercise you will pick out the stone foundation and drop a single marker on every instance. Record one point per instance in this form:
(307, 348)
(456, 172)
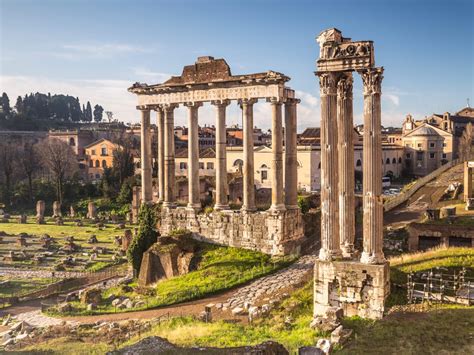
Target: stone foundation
(358, 289)
(275, 233)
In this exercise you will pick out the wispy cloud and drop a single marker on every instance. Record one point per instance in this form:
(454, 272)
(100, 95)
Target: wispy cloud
(146, 74)
(102, 49)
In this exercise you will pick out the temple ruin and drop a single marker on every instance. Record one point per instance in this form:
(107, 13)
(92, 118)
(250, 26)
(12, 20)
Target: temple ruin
(356, 283)
(278, 230)
(467, 195)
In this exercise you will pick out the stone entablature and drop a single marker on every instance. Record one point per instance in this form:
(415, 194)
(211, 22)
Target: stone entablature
(275, 233)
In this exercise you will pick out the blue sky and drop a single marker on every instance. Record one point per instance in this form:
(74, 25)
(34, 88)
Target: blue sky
(96, 49)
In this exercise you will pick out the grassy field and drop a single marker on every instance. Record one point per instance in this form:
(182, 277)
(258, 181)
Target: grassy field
(81, 235)
(220, 268)
(407, 329)
(19, 286)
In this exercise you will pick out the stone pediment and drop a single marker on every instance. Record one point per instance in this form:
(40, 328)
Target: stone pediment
(206, 69)
(427, 130)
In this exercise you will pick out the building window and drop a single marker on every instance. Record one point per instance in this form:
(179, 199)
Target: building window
(183, 166)
(408, 155)
(400, 160)
(93, 152)
(394, 161)
(103, 150)
(104, 164)
(72, 142)
(419, 145)
(210, 166)
(359, 162)
(445, 145)
(97, 164)
(432, 155)
(97, 176)
(419, 156)
(444, 155)
(264, 175)
(201, 165)
(408, 145)
(91, 164)
(387, 161)
(238, 163)
(432, 145)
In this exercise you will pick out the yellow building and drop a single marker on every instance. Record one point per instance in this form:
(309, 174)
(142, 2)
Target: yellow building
(99, 155)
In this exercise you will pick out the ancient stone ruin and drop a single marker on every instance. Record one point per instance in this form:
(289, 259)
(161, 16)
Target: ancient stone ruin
(91, 211)
(468, 196)
(57, 209)
(357, 284)
(40, 207)
(279, 230)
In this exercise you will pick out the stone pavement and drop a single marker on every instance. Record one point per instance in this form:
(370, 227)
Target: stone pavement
(270, 286)
(39, 320)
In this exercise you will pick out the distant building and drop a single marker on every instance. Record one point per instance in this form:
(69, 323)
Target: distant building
(99, 155)
(435, 140)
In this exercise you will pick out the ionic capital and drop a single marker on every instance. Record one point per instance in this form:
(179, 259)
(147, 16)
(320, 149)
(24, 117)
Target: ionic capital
(247, 102)
(275, 100)
(220, 103)
(328, 83)
(194, 104)
(372, 79)
(169, 107)
(344, 86)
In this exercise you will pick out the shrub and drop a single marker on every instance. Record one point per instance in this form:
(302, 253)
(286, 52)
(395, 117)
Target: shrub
(303, 204)
(145, 238)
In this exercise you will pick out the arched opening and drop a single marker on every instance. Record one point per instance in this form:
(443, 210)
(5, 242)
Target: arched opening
(387, 161)
(91, 164)
(97, 164)
(400, 160)
(238, 163)
(72, 142)
(104, 164)
(394, 161)
(359, 162)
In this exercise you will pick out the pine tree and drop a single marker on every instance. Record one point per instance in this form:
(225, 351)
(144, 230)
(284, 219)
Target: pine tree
(98, 111)
(88, 115)
(5, 104)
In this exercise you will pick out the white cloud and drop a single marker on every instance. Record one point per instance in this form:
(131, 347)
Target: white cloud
(394, 99)
(103, 49)
(150, 76)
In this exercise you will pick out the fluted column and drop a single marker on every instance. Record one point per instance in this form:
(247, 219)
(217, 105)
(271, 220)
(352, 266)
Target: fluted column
(277, 156)
(330, 247)
(291, 161)
(372, 168)
(345, 128)
(145, 159)
(193, 155)
(169, 185)
(161, 153)
(249, 189)
(221, 158)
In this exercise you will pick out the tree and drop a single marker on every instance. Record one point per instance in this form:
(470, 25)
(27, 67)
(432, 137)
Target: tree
(145, 238)
(122, 163)
(88, 113)
(29, 161)
(61, 162)
(19, 105)
(5, 105)
(465, 142)
(8, 155)
(98, 111)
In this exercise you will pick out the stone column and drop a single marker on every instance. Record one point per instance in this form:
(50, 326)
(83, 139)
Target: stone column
(467, 181)
(249, 189)
(221, 159)
(193, 156)
(372, 168)
(291, 161)
(277, 159)
(345, 147)
(161, 153)
(169, 193)
(146, 157)
(330, 245)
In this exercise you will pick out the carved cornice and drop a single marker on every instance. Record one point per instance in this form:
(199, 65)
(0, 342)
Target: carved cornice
(344, 86)
(328, 83)
(372, 79)
(275, 100)
(290, 102)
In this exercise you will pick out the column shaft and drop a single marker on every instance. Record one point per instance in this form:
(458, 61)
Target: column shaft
(277, 159)
(145, 146)
(249, 189)
(345, 128)
(372, 168)
(291, 161)
(169, 184)
(221, 159)
(467, 181)
(330, 245)
(161, 154)
(193, 156)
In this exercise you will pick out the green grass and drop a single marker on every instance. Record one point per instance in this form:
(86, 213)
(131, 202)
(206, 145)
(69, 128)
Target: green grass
(18, 286)
(220, 268)
(65, 345)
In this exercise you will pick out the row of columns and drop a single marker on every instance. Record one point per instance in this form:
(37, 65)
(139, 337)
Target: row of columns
(284, 195)
(337, 167)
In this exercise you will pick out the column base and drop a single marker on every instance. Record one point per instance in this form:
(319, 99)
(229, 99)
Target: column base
(221, 207)
(194, 206)
(248, 209)
(277, 208)
(329, 255)
(369, 258)
(291, 207)
(348, 251)
(167, 204)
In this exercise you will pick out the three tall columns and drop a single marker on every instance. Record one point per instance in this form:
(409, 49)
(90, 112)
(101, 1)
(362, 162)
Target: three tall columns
(337, 167)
